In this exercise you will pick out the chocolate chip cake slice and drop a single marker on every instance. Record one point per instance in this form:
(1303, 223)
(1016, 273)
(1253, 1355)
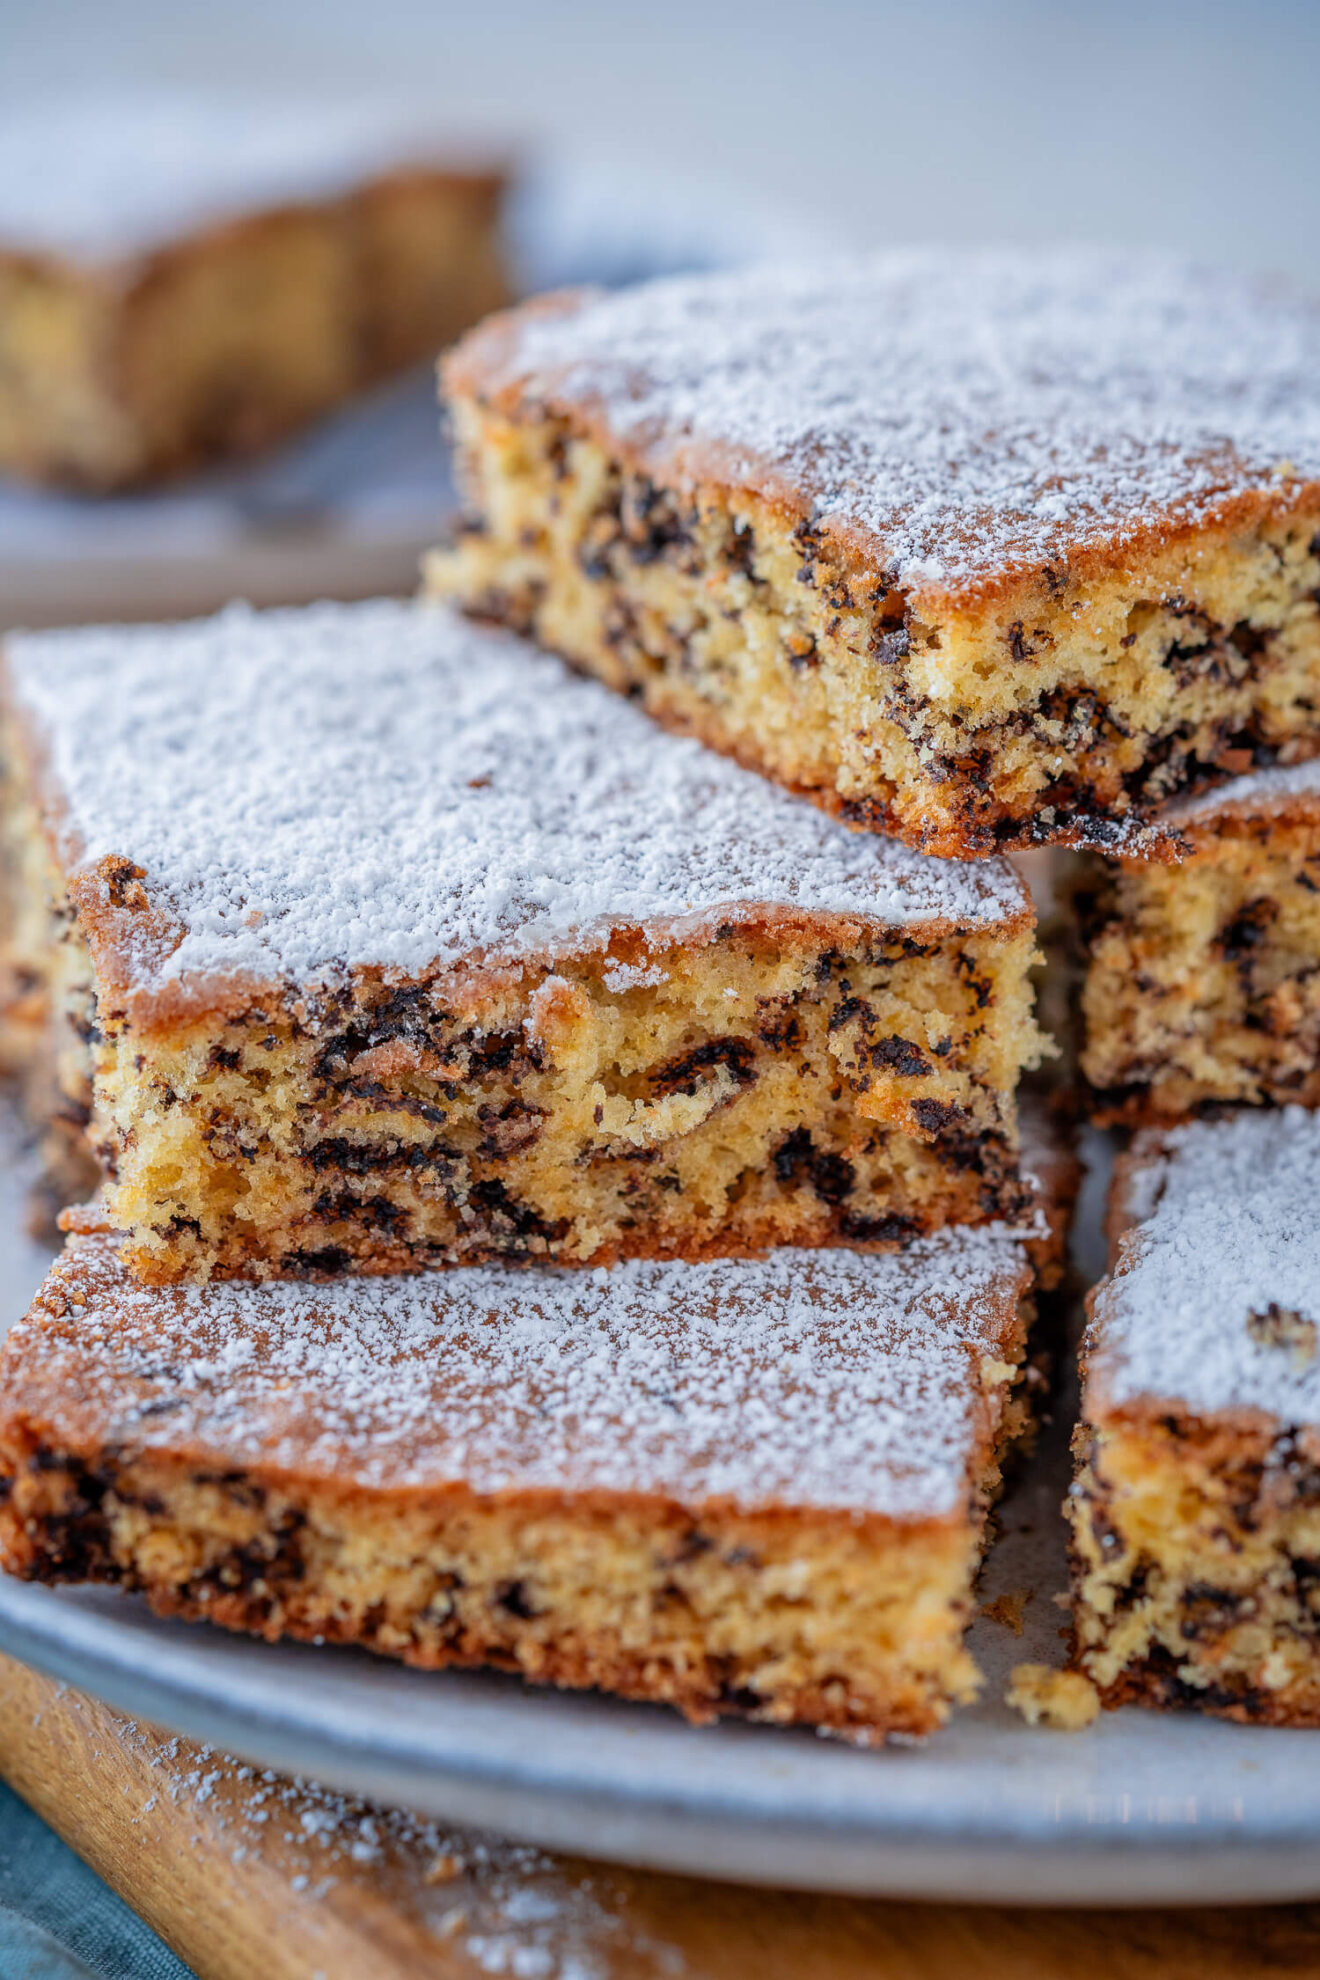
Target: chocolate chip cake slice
(1196, 1508)
(1202, 983)
(982, 549)
(366, 939)
(184, 276)
(746, 1486)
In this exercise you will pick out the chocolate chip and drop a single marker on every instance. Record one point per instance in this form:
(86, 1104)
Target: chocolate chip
(832, 1177)
(935, 1116)
(512, 1222)
(512, 1596)
(797, 1160)
(683, 1074)
(901, 1056)
(328, 1263)
(893, 1229)
(793, 1155)
(890, 647)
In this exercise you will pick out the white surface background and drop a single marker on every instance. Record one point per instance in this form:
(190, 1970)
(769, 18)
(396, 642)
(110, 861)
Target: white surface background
(1188, 125)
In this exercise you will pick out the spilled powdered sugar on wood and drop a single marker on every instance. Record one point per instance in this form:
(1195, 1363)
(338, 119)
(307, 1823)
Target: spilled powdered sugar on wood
(511, 1908)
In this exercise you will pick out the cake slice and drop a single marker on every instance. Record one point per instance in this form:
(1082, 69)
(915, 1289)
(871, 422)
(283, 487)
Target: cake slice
(1196, 1508)
(982, 549)
(369, 939)
(1202, 977)
(183, 277)
(748, 1486)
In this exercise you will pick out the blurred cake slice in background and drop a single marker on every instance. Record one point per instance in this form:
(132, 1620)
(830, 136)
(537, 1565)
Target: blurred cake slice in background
(184, 277)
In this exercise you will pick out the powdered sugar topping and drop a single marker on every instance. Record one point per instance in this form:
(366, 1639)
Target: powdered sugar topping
(1260, 791)
(1229, 1231)
(970, 412)
(390, 784)
(827, 1379)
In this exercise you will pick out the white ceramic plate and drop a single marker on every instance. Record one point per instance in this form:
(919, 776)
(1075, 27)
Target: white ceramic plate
(1137, 1809)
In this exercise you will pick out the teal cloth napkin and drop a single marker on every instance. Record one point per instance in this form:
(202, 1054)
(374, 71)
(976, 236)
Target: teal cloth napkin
(58, 1921)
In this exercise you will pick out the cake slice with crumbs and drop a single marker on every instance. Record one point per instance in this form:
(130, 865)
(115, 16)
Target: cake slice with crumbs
(982, 549)
(1196, 1508)
(366, 939)
(749, 1486)
(1202, 970)
(185, 275)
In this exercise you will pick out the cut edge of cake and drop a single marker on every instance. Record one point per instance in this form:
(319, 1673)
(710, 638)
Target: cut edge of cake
(867, 1028)
(619, 505)
(1199, 985)
(556, 1522)
(1195, 1507)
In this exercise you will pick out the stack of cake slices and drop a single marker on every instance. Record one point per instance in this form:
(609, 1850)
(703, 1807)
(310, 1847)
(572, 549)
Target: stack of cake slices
(560, 1197)
(561, 1202)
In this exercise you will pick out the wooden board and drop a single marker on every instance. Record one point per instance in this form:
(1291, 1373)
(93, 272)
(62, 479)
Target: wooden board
(246, 1874)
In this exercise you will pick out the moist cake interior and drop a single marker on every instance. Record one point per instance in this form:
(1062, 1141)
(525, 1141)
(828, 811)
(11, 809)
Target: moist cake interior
(502, 972)
(930, 537)
(752, 1486)
(1202, 985)
(1196, 1511)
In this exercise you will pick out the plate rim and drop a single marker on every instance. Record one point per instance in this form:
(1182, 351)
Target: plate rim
(976, 1859)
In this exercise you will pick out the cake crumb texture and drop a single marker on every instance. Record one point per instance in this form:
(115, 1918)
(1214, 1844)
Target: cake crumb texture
(984, 549)
(751, 1486)
(499, 971)
(1065, 1701)
(1194, 1507)
(1202, 984)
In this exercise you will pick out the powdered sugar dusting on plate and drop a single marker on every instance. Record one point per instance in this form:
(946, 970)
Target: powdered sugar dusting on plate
(1229, 1231)
(970, 411)
(834, 1380)
(390, 784)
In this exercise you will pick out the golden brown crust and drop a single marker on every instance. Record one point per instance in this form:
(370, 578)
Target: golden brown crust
(678, 1088)
(485, 366)
(1065, 711)
(335, 1488)
(701, 1691)
(1161, 1690)
(131, 928)
(95, 1364)
(1194, 1531)
(126, 930)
